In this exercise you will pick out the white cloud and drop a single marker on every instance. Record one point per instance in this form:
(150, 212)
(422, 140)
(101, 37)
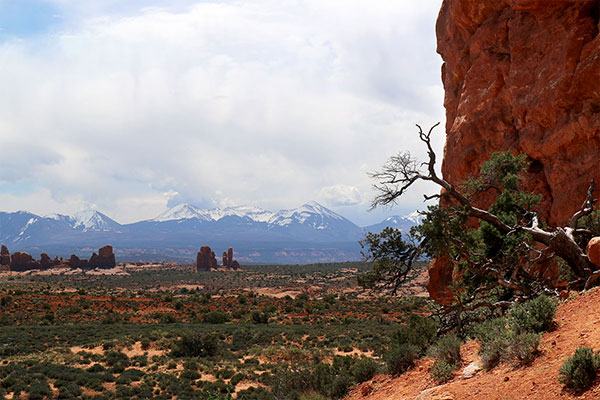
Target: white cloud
(262, 102)
(340, 195)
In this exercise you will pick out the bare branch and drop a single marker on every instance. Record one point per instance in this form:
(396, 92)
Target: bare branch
(586, 208)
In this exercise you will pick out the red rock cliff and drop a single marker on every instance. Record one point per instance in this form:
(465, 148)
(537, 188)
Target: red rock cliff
(524, 75)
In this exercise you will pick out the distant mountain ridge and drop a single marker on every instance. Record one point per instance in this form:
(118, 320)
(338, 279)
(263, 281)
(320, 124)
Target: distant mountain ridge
(309, 233)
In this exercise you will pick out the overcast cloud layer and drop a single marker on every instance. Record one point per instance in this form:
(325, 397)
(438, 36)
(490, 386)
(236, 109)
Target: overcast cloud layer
(130, 110)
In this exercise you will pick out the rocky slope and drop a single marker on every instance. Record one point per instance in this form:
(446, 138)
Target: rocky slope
(524, 75)
(578, 324)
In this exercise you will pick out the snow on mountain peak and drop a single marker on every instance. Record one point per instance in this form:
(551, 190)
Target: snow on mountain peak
(183, 211)
(311, 210)
(92, 220)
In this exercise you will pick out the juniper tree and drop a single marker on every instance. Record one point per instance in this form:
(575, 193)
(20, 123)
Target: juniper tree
(500, 253)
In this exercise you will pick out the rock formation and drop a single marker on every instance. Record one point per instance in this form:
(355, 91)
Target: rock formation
(76, 262)
(21, 261)
(524, 76)
(593, 251)
(45, 261)
(206, 259)
(104, 259)
(441, 272)
(4, 256)
(228, 261)
(230, 257)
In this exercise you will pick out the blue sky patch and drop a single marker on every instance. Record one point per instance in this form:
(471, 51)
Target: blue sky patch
(25, 18)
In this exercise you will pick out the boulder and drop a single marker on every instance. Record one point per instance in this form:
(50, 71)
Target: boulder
(593, 251)
(471, 370)
(4, 256)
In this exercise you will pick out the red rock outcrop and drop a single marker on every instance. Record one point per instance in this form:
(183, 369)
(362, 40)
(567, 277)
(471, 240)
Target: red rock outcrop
(225, 259)
(230, 257)
(206, 259)
(441, 272)
(45, 261)
(21, 261)
(104, 259)
(4, 256)
(524, 76)
(76, 262)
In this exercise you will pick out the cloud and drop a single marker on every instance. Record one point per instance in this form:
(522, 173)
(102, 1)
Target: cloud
(261, 102)
(340, 195)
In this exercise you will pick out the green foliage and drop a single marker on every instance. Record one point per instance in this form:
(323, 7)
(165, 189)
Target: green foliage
(418, 331)
(196, 345)
(364, 369)
(393, 258)
(441, 371)
(499, 343)
(410, 341)
(580, 370)
(259, 317)
(536, 315)
(447, 349)
(216, 317)
(401, 357)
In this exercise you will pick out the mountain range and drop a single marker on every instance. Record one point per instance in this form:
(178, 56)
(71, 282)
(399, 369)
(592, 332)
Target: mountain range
(309, 233)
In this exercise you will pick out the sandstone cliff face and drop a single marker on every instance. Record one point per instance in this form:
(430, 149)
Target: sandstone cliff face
(524, 75)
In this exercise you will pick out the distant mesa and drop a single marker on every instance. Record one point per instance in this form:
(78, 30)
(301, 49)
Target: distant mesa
(207, 260)
(23, 261)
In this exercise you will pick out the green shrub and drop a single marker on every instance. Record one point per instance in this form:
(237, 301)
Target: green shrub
(364, 369)
(339, 387)
(522, 347)
(534, 315)
(401, 357)
(442, 372)
(447, 349)
(39, 390)
(259, 317)
(492, 335)
(216, 317)
(195, 345)
(499, 343)
(579, 371)
(418, 331)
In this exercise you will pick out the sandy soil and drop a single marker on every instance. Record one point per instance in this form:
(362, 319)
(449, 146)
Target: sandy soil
(578, 323)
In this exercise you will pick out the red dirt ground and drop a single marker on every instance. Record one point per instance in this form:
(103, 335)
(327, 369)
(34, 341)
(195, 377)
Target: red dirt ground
(578, 324)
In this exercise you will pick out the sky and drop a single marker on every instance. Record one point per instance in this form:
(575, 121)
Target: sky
(133, 107)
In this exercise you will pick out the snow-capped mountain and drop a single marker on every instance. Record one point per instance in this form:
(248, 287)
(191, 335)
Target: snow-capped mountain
(309, 233)
(183, 211)
(189, 211)
(311, 213)
(403, 223)
(88, 220)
